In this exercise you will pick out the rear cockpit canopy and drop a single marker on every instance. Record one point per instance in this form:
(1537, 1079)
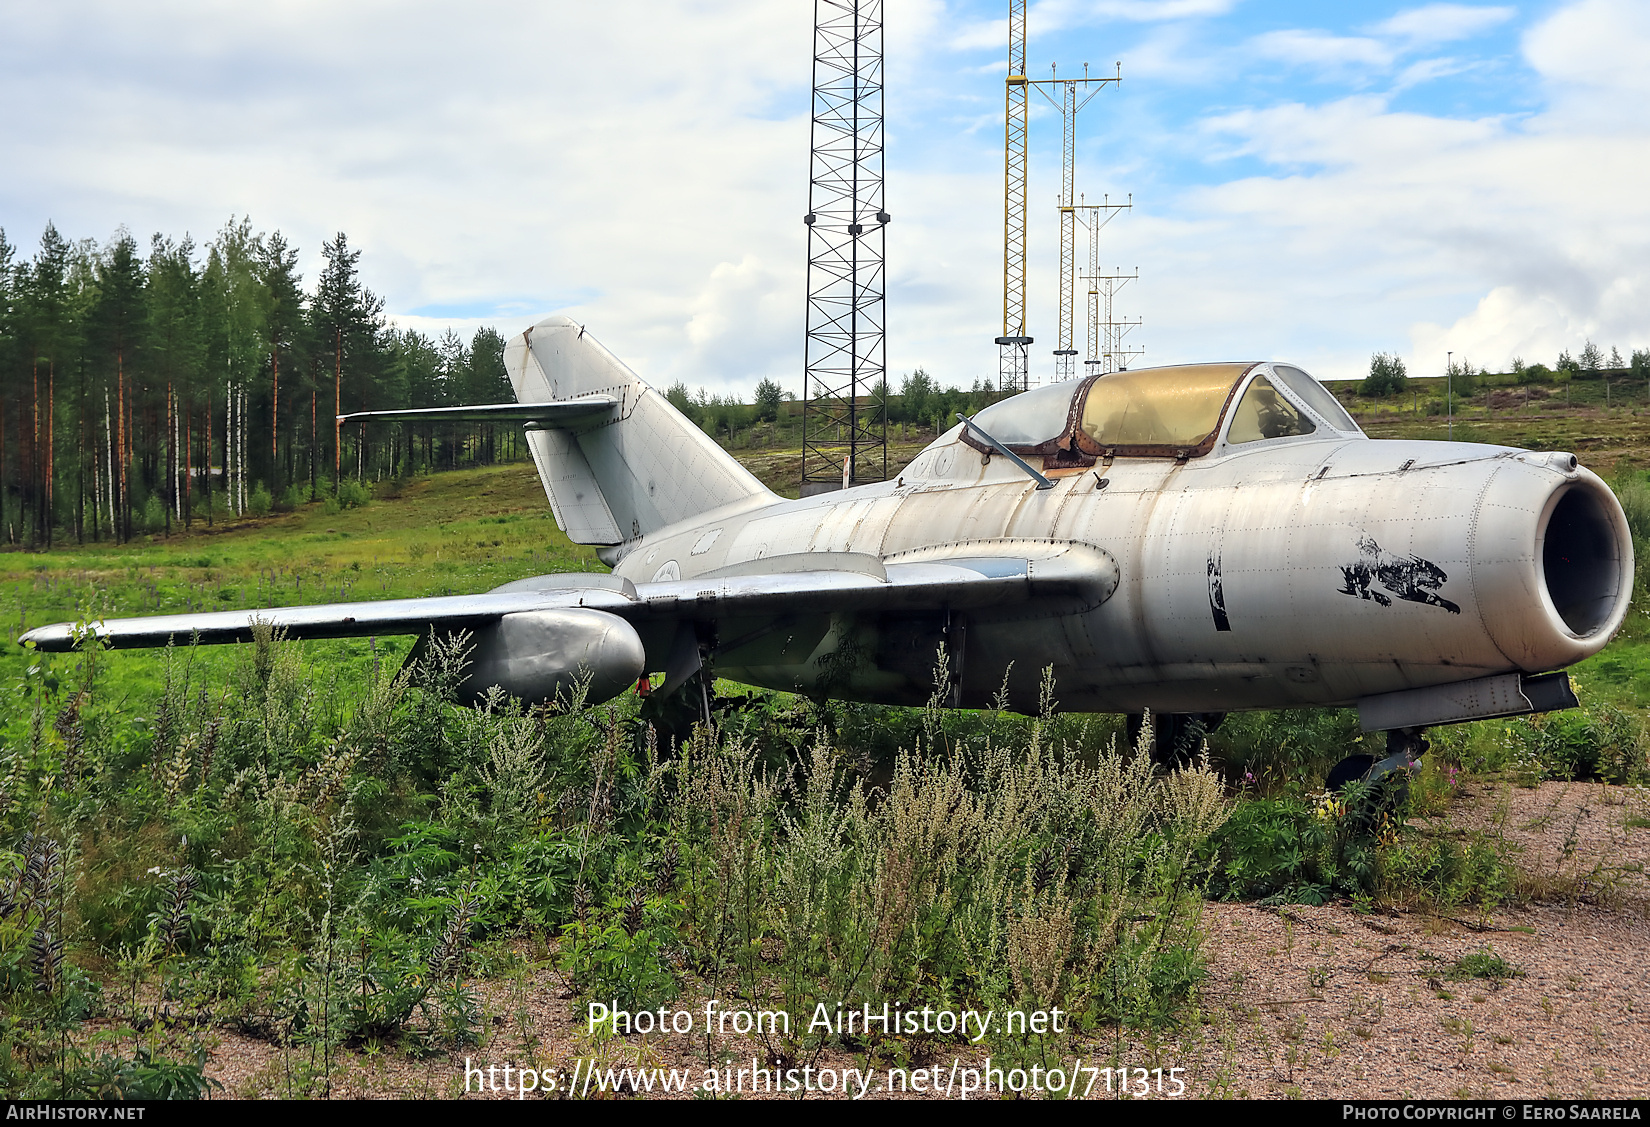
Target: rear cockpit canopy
(1175, 412)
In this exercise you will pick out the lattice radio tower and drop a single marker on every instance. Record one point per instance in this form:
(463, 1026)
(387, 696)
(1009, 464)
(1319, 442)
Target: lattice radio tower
(1013, 371)
(845, 429)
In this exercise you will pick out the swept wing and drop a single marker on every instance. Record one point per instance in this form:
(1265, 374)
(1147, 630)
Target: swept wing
(854, 583)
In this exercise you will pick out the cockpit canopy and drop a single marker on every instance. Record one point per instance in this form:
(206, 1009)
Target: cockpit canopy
(1162, 412)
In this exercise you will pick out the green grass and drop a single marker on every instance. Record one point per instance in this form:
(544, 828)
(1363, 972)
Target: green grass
(450, 533)
(1557, 416)
(1484, 964)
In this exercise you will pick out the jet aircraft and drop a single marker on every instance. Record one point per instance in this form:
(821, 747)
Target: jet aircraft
(1189, 541)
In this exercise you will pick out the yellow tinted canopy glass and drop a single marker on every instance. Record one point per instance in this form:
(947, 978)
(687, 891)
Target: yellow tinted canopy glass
(1263, 413)
(1178, 407)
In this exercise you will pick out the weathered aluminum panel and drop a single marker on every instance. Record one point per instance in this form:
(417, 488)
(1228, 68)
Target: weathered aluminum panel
(654, 467)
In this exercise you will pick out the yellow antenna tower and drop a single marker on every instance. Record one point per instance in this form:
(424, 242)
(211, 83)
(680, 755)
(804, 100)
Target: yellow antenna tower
(1012, 368)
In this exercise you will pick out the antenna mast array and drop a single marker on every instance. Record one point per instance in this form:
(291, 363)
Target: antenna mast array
(1013, 369)
(1065, 355)
(1105, 337)
(843, 440)
(1114, 353)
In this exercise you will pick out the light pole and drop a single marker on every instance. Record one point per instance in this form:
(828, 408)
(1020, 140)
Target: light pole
(1449, 392)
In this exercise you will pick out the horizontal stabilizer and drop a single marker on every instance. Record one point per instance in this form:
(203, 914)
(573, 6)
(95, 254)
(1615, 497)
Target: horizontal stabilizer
(586, 410)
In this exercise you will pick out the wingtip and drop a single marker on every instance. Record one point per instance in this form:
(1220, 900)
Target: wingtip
(57, 638)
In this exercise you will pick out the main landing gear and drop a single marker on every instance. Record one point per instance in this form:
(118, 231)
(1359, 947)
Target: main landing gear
(1177, 737)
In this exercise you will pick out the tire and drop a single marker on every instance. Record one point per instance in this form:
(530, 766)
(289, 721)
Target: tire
(1350, 769)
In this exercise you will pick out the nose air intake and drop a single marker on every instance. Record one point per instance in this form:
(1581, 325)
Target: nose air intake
(1586, 560)
(1552, 562)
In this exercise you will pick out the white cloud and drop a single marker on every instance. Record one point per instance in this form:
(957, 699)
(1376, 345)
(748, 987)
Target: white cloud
(1507, 322)
(1443, 23)
(742, 310)
(1143, 11)
(1427, 70)
(1048, 17)
(1596, 47)
(1384, 45)
(1532, 231)
(629, 154)
(1321, 49)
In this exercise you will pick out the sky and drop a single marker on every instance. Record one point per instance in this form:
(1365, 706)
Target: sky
(1310, 182)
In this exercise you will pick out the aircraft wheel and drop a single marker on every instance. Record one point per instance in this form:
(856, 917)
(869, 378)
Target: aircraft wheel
(1378, 786)
(1350, 769)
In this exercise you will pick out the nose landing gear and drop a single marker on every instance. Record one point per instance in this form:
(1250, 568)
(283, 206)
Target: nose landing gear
(1386, 780)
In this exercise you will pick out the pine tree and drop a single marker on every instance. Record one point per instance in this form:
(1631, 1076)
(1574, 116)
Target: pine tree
(8, 368)
(45, 328)
(347, 321)
(135, 385)
(419, 368)
(177, 357)
(288, 332)
(119, 319)
(490, 383)
(82, 360)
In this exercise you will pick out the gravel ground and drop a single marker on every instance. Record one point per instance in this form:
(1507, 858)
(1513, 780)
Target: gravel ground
(1330, 1003)
(1314, 1002)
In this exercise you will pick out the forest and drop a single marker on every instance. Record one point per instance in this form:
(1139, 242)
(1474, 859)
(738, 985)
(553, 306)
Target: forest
(142, 389)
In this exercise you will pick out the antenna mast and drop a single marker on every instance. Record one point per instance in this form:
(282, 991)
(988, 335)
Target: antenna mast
(1013, 366)
(845, 441)
(1115, 356)
(1013, 371)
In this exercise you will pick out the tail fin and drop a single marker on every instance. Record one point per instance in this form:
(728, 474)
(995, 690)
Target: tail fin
(638, 468)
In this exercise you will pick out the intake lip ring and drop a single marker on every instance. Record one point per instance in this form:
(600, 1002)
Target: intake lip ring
(1584, 560)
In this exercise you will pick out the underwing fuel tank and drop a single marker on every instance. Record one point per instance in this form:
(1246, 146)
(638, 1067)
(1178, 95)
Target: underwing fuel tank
(541, 654)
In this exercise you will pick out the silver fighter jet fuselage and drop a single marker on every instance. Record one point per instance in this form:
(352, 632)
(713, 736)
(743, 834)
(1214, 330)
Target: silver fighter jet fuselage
(1201, 539)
